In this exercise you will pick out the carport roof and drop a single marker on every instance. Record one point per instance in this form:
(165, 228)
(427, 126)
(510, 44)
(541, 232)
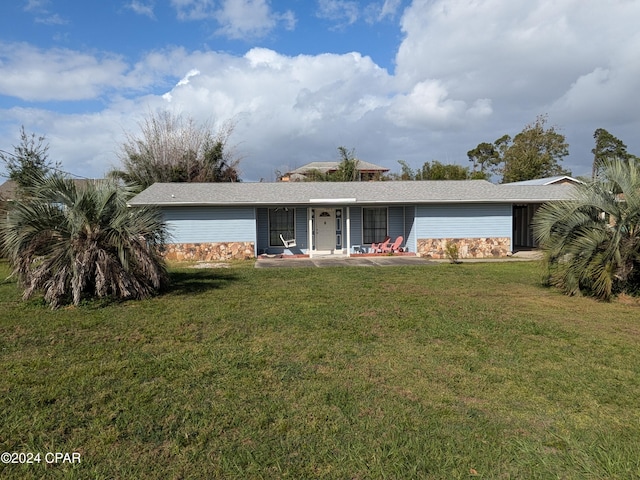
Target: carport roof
(346, 193)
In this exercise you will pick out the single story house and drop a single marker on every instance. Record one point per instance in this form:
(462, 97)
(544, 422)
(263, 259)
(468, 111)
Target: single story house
(215, 221)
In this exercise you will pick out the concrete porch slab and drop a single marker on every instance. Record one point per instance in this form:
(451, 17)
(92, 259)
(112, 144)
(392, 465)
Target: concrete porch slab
(381, 261)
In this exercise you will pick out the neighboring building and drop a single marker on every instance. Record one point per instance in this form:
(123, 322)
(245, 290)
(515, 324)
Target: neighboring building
(213, 221)
(9, 192)
(367, 171)
(557, 180)
(9, 188)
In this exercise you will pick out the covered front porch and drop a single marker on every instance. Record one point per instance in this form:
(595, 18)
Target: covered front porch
(331, 230)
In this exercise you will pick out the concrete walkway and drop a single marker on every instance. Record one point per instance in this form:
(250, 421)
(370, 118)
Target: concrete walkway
(381, 261)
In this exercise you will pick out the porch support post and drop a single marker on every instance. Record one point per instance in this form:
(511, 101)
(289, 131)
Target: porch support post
(310, 231)
(347, 226)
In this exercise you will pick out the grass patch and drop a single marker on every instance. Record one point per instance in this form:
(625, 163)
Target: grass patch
(444, 371)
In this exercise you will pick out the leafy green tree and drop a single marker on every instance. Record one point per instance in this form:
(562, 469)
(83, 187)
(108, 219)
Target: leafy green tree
(535, 152)
(315, 175)
(487, 157)
(174, 149)
(439, 171)
(30, 159)
(591, 244)
(348, 168)
(406, 172)
(607, 147)
(436, 170)
(74, 243)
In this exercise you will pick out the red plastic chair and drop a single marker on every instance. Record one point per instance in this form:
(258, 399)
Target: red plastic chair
(394, 247)
(377, 247)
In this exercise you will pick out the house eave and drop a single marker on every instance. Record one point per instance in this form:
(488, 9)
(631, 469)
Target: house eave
(344, 193)
(342, 201)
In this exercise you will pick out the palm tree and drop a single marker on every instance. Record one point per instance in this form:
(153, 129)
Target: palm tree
(591, 244)
(73, 242)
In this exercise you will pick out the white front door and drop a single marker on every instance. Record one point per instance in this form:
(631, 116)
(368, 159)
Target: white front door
(325, 230)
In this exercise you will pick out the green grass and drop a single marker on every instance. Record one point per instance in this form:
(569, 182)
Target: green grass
(437, 372)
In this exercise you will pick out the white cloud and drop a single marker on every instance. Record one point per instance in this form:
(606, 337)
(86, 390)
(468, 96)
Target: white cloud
(183, 81)
(29, 73)
(142, 8)
(511, 49)
(85, 144)
(190, 73)
(249, 18)
(237, 19)
(40, 8)
(298, 91)
(389, 8)
(36, 5)
(376, 12)
(428, 106)
(343, 12)
(194, 9)
(608, 92)
(54, 19)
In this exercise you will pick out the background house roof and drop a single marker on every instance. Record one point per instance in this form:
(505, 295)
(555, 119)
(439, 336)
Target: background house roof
(549, 181)
(325, 167)
(347, 193)
(8, 188)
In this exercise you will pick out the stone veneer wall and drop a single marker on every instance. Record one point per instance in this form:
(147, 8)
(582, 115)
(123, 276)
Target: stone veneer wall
(467, 247)
(209, 251)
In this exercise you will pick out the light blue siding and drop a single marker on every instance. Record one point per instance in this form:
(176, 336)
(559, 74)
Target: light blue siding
(300, 219)
(302, 239)
(463, 221)
(400, 222)
(210, 224)
(355, 214)
(395, 225)
(262, 220)
(410, 242)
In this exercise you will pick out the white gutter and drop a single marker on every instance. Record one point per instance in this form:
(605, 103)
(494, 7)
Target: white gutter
(332, 200)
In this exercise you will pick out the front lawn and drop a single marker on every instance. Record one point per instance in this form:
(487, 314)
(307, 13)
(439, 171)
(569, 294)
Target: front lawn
(441, 372)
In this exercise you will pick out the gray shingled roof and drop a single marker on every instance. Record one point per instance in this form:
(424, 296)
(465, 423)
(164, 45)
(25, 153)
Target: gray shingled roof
(346, 193)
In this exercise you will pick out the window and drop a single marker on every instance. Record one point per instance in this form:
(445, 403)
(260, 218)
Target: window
(281, 222)
(374, 225)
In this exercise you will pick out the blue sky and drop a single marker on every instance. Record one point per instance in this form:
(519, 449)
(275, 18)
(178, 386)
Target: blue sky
(412, 80)
(131, 28)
